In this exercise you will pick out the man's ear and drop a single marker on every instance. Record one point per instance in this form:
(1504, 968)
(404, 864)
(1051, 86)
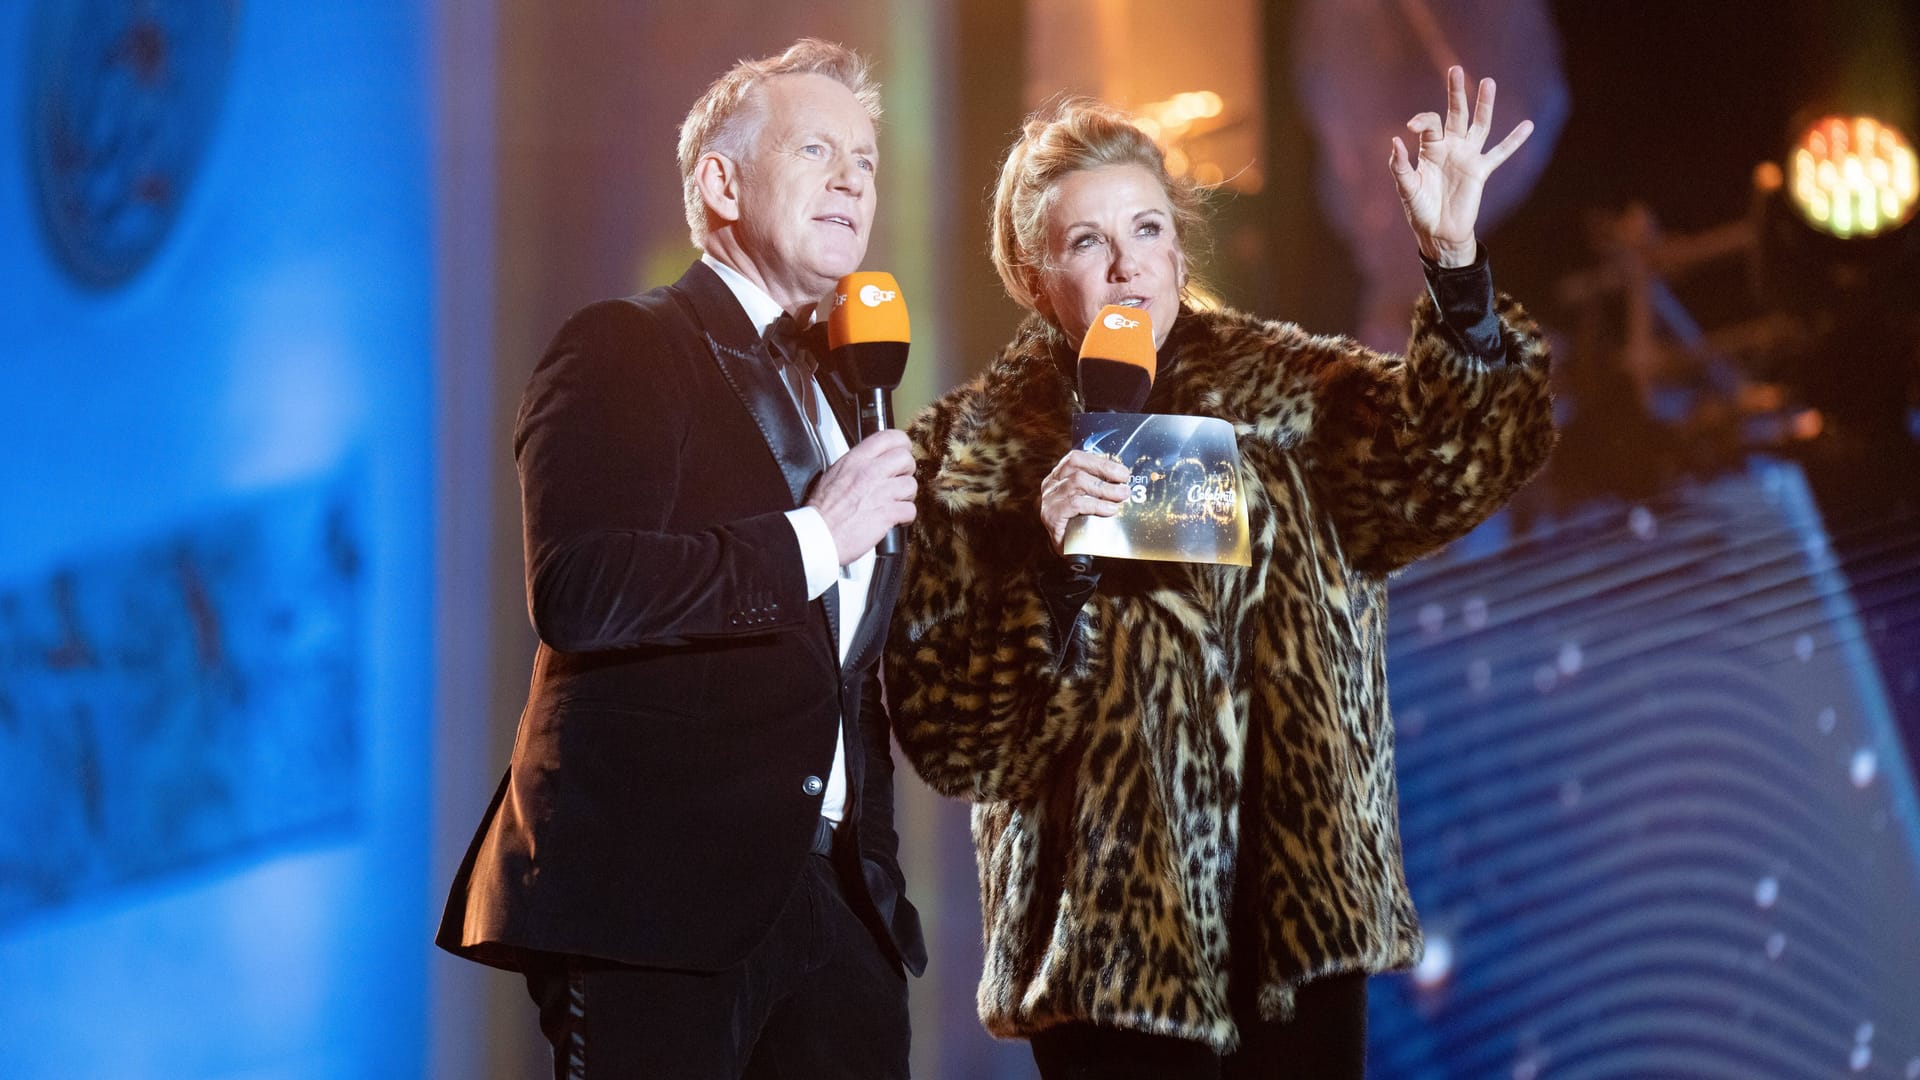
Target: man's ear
(718, 178)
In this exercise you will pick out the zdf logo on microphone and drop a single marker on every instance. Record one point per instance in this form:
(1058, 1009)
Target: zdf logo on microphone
(1117, 321)
(874, 295)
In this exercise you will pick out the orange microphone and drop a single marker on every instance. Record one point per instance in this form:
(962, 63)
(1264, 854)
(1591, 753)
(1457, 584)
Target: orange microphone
(1117, 361)
(1117, 365)
(867, 339)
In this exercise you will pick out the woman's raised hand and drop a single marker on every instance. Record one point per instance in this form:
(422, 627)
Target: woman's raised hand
(1440, 186)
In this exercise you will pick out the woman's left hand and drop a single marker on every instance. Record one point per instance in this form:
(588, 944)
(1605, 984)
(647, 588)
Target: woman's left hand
(1440, 190)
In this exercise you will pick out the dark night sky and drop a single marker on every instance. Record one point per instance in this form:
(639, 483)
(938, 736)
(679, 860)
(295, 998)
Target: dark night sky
(1674, 103)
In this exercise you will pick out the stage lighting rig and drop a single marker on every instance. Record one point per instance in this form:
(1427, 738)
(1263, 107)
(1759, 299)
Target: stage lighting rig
(1852, 176)
(1839, 252)
(1837, 235)
(1792, 329)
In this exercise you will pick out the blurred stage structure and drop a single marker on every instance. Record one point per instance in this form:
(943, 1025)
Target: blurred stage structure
(1768, 333)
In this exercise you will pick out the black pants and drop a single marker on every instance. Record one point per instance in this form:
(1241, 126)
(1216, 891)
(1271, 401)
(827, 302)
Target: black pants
(818, 998)
(1326, 1040)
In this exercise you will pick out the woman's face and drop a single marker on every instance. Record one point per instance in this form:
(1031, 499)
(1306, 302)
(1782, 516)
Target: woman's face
(1110, 240)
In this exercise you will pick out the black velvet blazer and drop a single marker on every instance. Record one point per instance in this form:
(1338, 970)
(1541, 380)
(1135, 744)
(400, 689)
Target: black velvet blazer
(668, 768)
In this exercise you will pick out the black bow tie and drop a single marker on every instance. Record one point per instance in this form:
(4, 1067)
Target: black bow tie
(791, 343)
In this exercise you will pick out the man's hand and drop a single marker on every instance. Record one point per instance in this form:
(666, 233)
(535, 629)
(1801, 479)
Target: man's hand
(867, 492)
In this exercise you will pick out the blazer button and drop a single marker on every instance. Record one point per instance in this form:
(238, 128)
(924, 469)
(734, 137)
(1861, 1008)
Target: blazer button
(813, 785)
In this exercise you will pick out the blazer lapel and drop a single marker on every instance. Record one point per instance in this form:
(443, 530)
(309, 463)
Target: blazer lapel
(744, 362)
(880, 599)
(845, 409)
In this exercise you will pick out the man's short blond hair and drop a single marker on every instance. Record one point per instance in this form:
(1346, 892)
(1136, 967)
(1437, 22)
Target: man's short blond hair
(727, 118)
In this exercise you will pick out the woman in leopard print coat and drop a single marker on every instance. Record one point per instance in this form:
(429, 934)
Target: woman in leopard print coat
(1185, 808)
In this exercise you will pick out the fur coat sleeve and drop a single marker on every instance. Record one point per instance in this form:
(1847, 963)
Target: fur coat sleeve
(1406, 453)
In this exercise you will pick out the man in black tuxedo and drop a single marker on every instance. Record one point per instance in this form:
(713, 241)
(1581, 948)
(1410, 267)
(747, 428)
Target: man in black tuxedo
(692, 856)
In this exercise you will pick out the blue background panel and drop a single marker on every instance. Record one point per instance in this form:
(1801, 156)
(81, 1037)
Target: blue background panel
(193, 699)
(245, 417)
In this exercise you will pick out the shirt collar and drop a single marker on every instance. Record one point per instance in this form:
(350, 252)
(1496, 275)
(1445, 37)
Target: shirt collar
(761, 309)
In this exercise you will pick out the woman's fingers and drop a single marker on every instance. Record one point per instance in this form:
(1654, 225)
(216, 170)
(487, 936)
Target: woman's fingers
(1092, 474)
(1509, 144)
(1099, 465)
(1483, 111)
(1081, 485)
(1456, 101)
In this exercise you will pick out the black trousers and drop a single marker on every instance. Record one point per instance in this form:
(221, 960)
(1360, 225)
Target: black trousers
(819, 997)
(1326, 1040)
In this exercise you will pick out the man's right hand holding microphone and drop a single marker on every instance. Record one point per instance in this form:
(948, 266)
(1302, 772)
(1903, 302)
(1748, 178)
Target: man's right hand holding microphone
(867, 492)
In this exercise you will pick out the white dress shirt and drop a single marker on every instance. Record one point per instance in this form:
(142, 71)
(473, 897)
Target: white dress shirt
(818, 552)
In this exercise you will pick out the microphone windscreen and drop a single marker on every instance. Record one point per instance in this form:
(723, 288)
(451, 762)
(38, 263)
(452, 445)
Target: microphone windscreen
(867, 307)
(1117, 361)
(867, 331)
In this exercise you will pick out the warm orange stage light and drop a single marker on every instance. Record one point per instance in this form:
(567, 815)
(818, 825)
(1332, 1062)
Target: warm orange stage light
(1853, 176)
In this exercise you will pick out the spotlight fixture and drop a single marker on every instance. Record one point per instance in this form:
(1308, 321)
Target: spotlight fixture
(1852, 176)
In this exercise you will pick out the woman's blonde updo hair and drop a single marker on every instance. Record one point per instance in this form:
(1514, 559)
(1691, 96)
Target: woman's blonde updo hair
(1076, 134)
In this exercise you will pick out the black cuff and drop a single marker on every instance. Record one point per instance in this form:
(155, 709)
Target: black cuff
(1464, 297)
(1065, 591)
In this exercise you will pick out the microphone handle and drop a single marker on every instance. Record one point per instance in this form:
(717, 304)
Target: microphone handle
(876, 414)
(876, 410)
(1083, 563)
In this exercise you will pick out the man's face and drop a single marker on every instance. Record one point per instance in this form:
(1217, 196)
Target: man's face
(807, 195)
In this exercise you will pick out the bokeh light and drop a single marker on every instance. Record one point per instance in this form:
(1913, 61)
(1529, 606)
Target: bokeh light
(1853, 176)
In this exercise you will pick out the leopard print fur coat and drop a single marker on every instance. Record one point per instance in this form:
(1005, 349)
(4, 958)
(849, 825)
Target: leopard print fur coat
(1110, 779)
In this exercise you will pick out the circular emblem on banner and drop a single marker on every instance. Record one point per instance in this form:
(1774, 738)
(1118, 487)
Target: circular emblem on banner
(121, 98)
